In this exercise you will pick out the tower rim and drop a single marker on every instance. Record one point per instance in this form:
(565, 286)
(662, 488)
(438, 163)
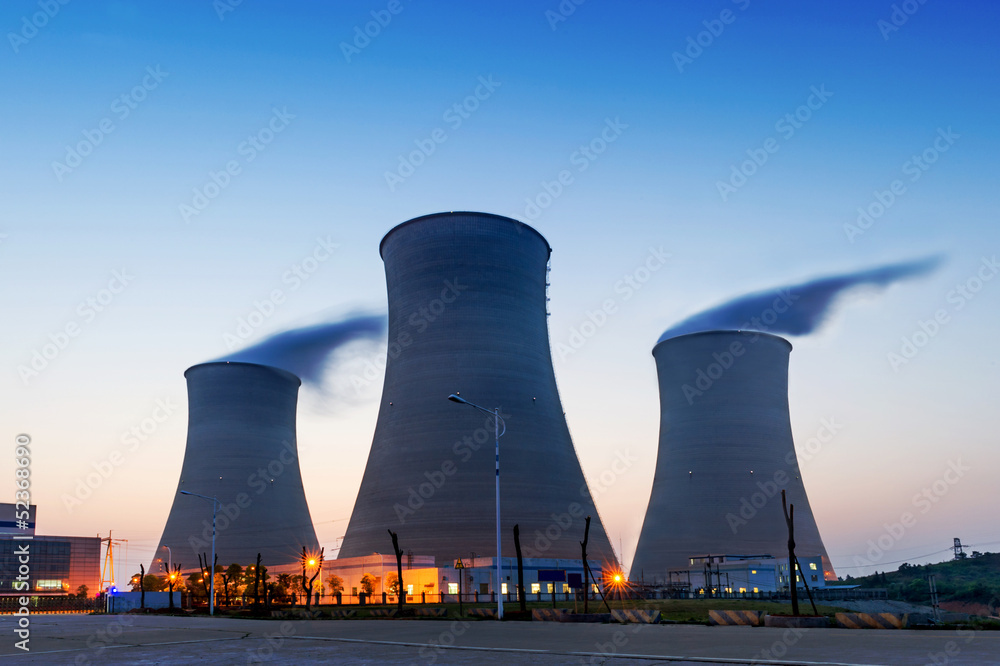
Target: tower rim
(281, 372)
(454, 213)
(719, 332)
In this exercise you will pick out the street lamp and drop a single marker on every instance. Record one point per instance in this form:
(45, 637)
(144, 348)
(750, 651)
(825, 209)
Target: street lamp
(215, 506)
(497, 420)
(170, 559)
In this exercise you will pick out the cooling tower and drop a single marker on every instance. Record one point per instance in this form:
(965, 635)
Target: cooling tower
(241, 449)
(725, 454)
(467, 315)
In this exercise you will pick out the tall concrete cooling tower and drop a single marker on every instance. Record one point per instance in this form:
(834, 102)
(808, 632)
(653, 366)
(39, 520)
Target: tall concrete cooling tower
(725, 455)
(467, 315)
(241, 449)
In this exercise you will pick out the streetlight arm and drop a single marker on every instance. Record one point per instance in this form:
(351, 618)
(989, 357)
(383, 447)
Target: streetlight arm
(210, 499)
(494, 413)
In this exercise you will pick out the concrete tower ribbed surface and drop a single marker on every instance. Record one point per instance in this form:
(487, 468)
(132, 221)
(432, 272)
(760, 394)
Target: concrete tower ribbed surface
(467, 314)
(241, 448)
(723, 414)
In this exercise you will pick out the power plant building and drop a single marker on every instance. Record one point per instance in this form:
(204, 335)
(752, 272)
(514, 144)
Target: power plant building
(242, 450)
(725, 454)
(468, 316)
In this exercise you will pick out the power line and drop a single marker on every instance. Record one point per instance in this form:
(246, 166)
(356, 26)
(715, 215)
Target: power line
(915, 557)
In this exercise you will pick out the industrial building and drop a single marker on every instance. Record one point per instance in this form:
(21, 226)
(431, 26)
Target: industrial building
(58, 565)
(743, 575)
(242, 450)
(467, 316)
(427, 582)
(725, 454)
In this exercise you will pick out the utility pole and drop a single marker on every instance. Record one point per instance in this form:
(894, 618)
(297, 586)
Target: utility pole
(932, 583)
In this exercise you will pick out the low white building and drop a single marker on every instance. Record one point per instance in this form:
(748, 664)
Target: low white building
(744, 575)
(426, 581)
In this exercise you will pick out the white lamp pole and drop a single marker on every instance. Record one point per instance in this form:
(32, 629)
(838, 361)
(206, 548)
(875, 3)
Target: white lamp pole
(211, 565)
(495, 413)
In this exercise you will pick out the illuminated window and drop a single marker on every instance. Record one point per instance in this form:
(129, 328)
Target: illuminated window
(548, 587)
(743, 590)
(409, 589)
(798, 579)
(536, 588)
(452, 588)
(753, 571)
(503, 588)
(812, 565)
(566, 588)
(595, 589)
(48, 584)
(755, 590)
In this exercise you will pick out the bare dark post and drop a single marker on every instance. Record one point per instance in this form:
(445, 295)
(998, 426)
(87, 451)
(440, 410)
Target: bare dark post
(256, 584)
(142, 586)
(400, 595)
(792, 564)
(171, 575)
(461, 570)
(520, 569)
(203, 565)
(588, 575)
(319, 568)
(806, 583)
(586, 567)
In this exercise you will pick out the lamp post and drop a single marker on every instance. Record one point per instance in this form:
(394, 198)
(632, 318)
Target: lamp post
(170, 559)
(495, 413)
(215, 506)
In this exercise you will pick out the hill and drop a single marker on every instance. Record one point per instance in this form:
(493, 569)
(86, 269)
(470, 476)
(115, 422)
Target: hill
(974, 579)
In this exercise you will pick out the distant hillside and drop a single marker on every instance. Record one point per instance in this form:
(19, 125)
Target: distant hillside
(975, 579)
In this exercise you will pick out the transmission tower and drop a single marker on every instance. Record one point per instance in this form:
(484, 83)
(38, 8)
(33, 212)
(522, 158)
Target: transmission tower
(108, 573)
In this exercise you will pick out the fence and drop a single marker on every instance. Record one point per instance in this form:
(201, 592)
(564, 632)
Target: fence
(12, 604)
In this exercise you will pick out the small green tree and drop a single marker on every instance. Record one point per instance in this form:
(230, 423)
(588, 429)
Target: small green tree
(335, 583)
(230, 579)
(392, 584)
(154, 583)
(368, 584)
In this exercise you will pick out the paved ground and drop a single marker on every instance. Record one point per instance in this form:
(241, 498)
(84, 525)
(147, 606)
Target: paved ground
(128, 639)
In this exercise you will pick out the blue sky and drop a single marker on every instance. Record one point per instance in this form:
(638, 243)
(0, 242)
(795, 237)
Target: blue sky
(554, 87)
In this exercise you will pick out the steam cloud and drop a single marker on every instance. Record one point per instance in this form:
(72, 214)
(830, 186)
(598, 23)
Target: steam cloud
(807, 304)
(304, 351)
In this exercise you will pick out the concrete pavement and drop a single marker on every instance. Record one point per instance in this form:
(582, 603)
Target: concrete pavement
(145, 639)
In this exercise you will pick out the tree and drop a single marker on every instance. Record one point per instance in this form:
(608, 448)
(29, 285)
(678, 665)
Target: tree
(368, 584)
(231, 577)
(82, 592)
(392, 584)
(196, 586)
(154, 583)
(335, 583)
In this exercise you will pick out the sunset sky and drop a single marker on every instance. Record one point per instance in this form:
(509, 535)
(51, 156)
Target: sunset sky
(168, 167)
